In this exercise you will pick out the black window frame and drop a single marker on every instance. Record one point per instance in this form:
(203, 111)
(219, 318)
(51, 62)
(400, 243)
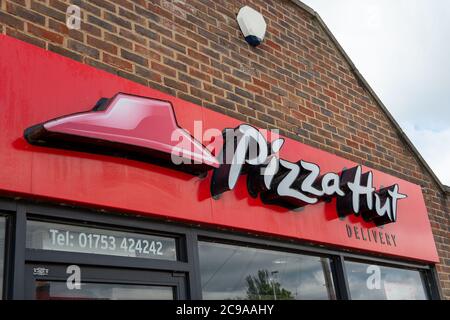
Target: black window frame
(280, 249)
(188, 235)
(6, 252)
(383, 263)
(97, 275)
(8, 210)
(180, 243)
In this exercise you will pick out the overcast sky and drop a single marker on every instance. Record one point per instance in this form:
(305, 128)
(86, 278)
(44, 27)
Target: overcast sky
(402, 48)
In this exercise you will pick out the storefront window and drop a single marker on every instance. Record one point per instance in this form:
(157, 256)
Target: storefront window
(374, 282)
(236, 272)
(54, 290)
(2, 252)
(61, 237)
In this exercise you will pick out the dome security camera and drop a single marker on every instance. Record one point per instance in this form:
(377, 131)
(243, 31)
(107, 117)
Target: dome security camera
(252, 24)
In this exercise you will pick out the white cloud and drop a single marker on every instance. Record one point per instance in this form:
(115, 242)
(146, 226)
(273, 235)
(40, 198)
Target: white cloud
(402, 49)
(434, 148)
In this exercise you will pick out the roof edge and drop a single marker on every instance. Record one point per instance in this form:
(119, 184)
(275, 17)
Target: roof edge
(354, 69)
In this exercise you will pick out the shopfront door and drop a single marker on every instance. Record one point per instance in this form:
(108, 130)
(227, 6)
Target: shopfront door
(70, 282)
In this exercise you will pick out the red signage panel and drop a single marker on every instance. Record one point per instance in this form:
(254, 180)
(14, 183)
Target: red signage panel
(37, 86)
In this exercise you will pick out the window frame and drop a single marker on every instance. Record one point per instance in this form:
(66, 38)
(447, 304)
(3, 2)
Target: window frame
(4, 276)
(17, 255)
(337, 258)
(102, 275)
(7, 210)
(422, 272)
(178, 238)
(278, 250)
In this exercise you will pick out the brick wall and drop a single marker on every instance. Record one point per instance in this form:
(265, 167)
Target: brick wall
(296, 81)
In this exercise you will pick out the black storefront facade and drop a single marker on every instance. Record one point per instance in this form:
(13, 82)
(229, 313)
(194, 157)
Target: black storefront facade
(197, 252)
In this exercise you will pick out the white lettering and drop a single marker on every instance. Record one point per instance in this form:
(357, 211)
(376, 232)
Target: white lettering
(358, 189)
(186, 310)
(395, 195)
(285, 186)
(73, 14)
(53, 233)
(374, 280)
(246, 145)
(274, 163)
(307, 184)
(330, 185)
(74, 280)
(382, 210)
(250, 144)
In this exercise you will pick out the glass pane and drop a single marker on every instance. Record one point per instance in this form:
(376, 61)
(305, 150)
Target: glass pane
(236, 272)
(56, 290)
(374, 282)
(61, 237)
(2, 252)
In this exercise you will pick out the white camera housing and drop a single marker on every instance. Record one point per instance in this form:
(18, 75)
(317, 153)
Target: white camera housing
(252, 24)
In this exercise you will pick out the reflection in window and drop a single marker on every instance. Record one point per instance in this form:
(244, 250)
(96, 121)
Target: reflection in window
(241, 273)
(54, 290)
(373, 282)
(2, 252)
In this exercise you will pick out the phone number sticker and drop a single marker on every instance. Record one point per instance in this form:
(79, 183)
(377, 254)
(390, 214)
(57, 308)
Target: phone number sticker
(60, 237)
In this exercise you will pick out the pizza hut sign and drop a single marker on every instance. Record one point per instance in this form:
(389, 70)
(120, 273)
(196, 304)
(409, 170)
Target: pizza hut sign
(143, 129)
(295, 185)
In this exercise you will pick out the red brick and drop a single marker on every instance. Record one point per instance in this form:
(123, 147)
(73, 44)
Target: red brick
(198, 74)
(261, 84)
(25, 37)
(198, 56)
(10, 20)
(102, 45)
(45, 34)
(117, 62)
(163, 69)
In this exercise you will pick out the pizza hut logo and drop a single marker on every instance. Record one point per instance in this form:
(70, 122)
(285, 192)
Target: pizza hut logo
(146, 129)
(126, 126)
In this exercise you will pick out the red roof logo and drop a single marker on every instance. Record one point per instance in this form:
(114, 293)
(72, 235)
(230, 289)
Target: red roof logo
(127, 126)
